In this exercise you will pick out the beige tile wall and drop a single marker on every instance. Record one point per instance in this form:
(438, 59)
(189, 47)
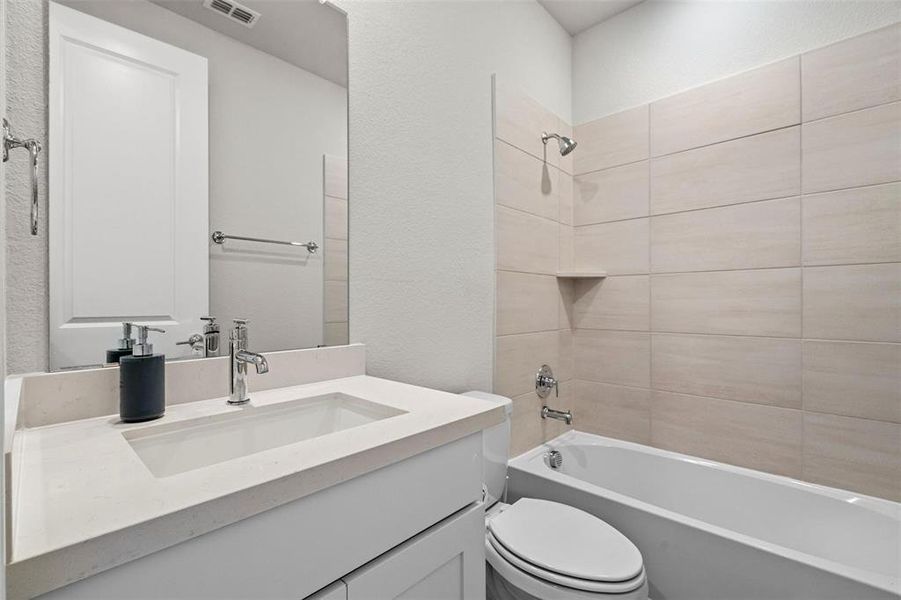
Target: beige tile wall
(335, 250)
(751, 228)
(533, 225)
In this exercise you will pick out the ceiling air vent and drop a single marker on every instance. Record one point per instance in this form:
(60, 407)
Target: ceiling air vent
(234, 11)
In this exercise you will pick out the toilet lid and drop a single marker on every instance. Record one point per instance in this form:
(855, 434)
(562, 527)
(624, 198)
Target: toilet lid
(565, 540)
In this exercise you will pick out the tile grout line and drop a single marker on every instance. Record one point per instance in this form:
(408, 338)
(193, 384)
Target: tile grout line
(518, 272)
(650, 292)
(735, 335)
(799, 195)
(531, 332)
(848, 112)
(771, 268)
(847, 189)
(646, 159)
(863, 186)
(727, 140)
(525, 212)
(731, 400)
(799, 123)
(801, 243)
(495, 246)
(716, 398)
(689, 210)
(540, 159)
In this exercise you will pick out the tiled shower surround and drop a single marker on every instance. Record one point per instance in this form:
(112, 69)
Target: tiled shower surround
(751, 232)
(533, 231)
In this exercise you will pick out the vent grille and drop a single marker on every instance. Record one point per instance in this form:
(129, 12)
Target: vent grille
(221, 6)
(234, 11)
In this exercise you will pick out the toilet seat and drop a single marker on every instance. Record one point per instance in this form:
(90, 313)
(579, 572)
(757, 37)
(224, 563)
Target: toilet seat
(539, 588)
(536, 543)
(583, 585)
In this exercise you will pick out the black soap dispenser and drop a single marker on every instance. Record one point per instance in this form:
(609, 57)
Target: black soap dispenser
(142, 381)
(125, 346)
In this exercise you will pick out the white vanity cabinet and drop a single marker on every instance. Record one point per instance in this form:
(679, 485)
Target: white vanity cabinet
(412, 529)
(445, 562)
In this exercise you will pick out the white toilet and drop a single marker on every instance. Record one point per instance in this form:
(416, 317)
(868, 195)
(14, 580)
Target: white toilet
(541, 550)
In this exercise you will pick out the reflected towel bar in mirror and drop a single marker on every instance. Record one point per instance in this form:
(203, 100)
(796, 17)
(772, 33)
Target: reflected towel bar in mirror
(220, 238)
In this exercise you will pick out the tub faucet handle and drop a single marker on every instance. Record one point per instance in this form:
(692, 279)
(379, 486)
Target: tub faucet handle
(544, 381)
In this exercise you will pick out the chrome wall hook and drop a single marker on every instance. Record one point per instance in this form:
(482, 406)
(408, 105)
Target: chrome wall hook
(34, 148)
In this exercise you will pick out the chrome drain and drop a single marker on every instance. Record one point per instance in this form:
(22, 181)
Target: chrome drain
(554, 459)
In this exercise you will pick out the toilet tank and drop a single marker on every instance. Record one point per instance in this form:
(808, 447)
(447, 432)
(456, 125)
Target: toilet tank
(495, 448)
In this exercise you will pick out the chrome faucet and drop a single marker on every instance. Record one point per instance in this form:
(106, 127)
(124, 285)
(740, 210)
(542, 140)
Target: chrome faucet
(560, 415)
(240, 357)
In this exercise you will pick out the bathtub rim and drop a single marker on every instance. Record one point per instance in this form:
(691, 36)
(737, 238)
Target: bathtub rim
(526, 461)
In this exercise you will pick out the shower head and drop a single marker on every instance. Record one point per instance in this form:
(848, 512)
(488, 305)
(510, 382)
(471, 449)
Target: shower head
(566, 144)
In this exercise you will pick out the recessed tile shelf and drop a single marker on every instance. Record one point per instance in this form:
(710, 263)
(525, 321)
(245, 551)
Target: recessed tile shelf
(581, 274)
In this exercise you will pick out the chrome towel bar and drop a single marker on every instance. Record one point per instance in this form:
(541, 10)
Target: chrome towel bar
(34, 148)
(219, 238)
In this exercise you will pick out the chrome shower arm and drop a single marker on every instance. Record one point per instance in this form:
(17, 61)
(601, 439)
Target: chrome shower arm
(566, 144)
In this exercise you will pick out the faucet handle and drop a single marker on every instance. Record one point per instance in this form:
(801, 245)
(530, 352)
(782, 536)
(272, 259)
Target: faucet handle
(544, 381)
(195, 338)
(238, 335)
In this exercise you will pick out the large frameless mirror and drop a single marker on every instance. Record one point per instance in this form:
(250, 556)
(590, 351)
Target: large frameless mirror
(197, 171)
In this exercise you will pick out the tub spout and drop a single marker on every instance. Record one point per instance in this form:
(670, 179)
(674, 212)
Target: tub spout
(560, 415)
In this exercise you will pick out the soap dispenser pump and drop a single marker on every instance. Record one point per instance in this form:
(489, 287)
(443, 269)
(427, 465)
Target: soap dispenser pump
(142, 380)
(124, 347)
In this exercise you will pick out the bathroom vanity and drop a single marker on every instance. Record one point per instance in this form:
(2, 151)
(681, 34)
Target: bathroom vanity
(329, 483)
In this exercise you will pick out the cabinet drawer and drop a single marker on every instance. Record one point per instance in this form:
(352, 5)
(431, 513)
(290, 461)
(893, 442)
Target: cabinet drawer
(444, 562)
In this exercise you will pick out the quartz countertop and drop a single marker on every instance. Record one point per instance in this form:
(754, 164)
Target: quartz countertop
(83, 501)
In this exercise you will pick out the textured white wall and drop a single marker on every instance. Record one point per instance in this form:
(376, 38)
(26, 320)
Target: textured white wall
(661, 47)
(421, 181)
(3, 86)
(26, 256)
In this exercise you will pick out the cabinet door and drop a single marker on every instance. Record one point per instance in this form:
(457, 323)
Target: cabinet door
(335, 591)
(444, 562)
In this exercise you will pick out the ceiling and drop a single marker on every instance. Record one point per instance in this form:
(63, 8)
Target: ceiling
(578, 15)
(305, 33)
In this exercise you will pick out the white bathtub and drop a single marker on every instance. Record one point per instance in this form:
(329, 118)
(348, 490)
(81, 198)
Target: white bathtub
(710, 531)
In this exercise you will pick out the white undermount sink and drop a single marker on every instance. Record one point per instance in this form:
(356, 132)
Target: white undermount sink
(187, 445)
